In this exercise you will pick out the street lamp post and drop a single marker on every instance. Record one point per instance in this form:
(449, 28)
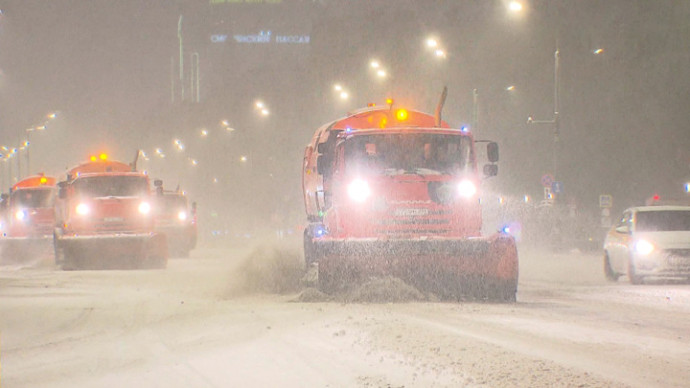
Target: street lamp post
(555, 121)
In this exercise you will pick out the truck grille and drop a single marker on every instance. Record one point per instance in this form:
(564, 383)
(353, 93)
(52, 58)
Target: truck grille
(418, 221)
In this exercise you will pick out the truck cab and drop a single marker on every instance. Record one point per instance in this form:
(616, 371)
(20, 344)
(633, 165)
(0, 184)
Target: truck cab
(28, 218)
(176, 219)
(104, 212)
(30, 212)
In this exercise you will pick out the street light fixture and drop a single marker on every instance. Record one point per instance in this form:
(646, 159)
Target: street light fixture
(49, 117)
(515, 6)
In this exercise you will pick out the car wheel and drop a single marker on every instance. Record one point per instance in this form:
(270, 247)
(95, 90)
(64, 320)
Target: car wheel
(610, 274)
(634, 278)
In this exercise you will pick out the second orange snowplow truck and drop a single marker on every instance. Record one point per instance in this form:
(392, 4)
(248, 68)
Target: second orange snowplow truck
(29, 217)
(395, 192)
(105, 218)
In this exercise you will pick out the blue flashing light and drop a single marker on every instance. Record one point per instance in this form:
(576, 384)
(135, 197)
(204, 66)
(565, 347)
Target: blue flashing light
(320, 231)
(348, 130)
(506, 229)
(465, 128)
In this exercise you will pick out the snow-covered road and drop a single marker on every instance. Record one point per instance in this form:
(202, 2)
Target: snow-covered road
(201, 323)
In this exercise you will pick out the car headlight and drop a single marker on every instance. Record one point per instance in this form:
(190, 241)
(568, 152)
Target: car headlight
(467, 189)
(20, 215)
(144, 208)
(182, 215)
(83, 209)
(358, 190)
(643, 247)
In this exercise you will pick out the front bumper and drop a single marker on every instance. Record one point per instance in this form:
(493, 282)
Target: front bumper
(673, 263)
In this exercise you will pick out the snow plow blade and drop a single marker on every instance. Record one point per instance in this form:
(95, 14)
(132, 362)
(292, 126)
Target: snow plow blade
(480, 268)
(111, 251)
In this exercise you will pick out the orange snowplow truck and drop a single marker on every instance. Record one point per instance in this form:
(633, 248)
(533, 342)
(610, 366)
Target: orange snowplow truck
(105, 218)
(29, 216)
(395, 192)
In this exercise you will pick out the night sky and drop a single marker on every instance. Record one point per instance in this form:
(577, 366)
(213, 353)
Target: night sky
(111, 70)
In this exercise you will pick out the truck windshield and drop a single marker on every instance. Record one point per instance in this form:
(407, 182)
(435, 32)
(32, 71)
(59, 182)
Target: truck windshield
(111, 186)
(663, 221)
(422, 154)
(32, 198)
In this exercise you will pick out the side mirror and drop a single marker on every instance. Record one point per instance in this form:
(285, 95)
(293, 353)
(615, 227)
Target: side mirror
(158, 183)
(623, 229)
(4, 196)
(194, 207)
(492, 152)
(491, 169)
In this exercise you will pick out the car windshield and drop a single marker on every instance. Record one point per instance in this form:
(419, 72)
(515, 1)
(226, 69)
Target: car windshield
(663, 221)
(111, 186)
(33, 198)
(395, 154)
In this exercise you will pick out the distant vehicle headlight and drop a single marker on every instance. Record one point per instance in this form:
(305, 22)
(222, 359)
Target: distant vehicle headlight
(467, 189)
(358, 190)
(20, 215)
(144, 208)
(182, 215)
(83, 209)
(643, 247)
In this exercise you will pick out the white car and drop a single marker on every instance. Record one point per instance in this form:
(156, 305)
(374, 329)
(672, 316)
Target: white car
(649, 241)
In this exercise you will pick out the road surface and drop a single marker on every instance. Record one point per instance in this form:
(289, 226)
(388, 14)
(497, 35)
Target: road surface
(240, 318)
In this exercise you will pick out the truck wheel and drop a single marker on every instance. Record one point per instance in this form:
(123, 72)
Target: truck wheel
(610, 274)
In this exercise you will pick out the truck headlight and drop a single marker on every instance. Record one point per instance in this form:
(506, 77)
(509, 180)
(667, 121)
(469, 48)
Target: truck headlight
(643, 247)
(467, 189)
(20, 215)
(182, 215)
(358, 190)
(83, 209)
(144, 208)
